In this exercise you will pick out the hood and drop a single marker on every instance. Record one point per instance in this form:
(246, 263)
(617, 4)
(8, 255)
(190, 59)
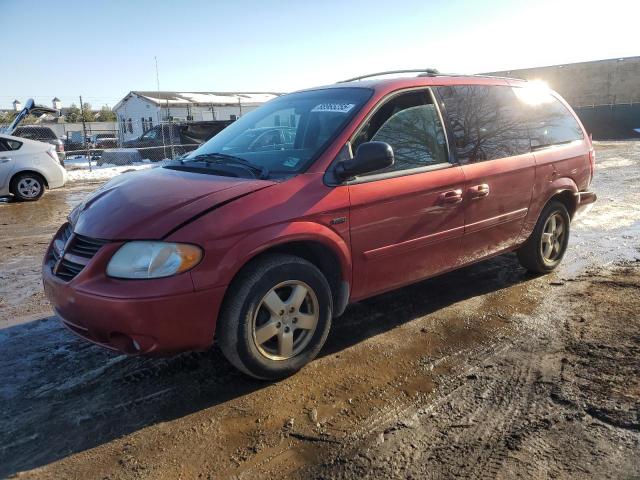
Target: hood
(148, 204)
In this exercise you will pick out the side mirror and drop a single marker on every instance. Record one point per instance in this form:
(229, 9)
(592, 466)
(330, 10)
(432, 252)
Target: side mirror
(370, 156)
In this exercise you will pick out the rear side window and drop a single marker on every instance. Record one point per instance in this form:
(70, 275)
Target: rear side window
(486, 122)
(550, 123)
(411, 125)
(8, 145)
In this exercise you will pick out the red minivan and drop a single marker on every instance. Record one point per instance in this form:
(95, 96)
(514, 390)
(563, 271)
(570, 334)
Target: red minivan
(320, 198)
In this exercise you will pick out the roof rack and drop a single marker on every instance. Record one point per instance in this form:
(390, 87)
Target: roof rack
(425, 72)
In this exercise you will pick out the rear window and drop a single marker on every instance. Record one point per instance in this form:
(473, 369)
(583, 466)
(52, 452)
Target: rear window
(486, 122)
(550, 123)
(34, 133)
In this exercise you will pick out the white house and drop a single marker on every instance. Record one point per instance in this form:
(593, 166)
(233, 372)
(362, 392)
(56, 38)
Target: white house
(138, 111)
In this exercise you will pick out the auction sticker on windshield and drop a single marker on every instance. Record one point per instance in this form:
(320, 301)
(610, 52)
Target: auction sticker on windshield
(334, 107)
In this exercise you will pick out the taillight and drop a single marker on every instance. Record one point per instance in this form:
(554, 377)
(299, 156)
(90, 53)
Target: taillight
(60, 147)
(52, 154)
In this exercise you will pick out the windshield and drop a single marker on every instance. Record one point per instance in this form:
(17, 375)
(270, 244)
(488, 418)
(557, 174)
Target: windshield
(287, 134)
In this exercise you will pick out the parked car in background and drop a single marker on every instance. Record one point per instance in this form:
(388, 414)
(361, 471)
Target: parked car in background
(383, 183)
(73, 146)
(104, 140)
(101, 141)
(175, 139)
(28, 167)
(42, 134)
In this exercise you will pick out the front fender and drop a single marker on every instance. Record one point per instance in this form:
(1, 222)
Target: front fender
(225, 257)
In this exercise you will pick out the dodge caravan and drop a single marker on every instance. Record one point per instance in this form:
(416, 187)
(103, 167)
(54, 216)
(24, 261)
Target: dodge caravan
(378, 183)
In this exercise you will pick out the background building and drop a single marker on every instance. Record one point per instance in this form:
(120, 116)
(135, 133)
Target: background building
(604, 93)
(138, 111)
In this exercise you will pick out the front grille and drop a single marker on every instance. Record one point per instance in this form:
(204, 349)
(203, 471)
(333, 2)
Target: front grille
(85, 246)
(72, 252)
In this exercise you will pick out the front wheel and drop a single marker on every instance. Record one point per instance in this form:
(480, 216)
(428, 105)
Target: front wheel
(276, 317)
(546, 246)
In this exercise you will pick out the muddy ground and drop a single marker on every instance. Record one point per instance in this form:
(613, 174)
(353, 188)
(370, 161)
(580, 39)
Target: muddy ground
(484, 372)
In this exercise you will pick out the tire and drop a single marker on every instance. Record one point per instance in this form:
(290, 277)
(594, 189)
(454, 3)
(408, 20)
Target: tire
(249, 306)
(543, 251)
(27, 187)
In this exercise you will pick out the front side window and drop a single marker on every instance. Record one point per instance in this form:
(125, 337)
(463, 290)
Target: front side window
(486, 122)
(550, 123)
(410, 124)
(287, 134)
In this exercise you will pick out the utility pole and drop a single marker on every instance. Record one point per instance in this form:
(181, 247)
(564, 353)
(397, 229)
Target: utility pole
(164, 144)
(84, 133)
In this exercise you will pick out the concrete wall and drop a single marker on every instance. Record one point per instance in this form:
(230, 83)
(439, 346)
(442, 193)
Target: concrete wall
(602, 82)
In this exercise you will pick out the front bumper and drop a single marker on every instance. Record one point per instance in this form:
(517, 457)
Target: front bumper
(133, 316)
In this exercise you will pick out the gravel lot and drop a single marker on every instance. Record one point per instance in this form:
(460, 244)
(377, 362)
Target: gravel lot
(485, 372)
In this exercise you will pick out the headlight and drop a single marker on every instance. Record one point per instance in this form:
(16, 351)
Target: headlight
(153, 259)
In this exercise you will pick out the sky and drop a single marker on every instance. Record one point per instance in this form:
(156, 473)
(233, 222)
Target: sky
(104, 49)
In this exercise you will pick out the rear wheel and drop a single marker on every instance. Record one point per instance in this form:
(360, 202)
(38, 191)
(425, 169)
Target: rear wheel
(276, 317)
(547, 245)
(27, 187)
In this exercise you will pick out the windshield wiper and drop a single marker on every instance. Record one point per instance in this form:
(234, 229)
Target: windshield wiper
(262, 171)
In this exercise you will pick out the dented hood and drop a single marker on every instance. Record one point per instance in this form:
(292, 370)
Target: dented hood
(151, 203)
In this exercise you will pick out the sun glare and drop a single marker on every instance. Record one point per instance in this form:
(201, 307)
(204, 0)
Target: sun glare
(534, 93)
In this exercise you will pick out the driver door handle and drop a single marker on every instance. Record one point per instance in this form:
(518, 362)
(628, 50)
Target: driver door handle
(479, 191)
(452, 196)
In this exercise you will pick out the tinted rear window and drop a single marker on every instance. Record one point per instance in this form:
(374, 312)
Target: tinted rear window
(486, 122)
(550, 123)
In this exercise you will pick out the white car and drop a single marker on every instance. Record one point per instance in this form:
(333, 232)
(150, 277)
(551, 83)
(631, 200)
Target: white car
(28, 167)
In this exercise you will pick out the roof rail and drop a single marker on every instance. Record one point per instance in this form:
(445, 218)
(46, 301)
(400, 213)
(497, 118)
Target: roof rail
(427, 72)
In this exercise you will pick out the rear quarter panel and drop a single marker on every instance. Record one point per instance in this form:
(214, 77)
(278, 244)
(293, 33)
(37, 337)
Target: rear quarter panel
(559, 168)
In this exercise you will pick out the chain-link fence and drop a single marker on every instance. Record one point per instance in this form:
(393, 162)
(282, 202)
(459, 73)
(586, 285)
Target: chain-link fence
(118, 146)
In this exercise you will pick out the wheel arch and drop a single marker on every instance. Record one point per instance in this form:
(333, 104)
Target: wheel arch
(31, 171)
(324, 248)
(563, 189)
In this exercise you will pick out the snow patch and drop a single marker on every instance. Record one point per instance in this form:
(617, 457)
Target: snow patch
(104, 172)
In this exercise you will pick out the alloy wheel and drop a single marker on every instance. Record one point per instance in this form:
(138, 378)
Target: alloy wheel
(285, 320)
(552, 241)
(29, 187)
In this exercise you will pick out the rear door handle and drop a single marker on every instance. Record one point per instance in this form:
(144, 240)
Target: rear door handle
(5, 159)
(452, 196)
(479, 191)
